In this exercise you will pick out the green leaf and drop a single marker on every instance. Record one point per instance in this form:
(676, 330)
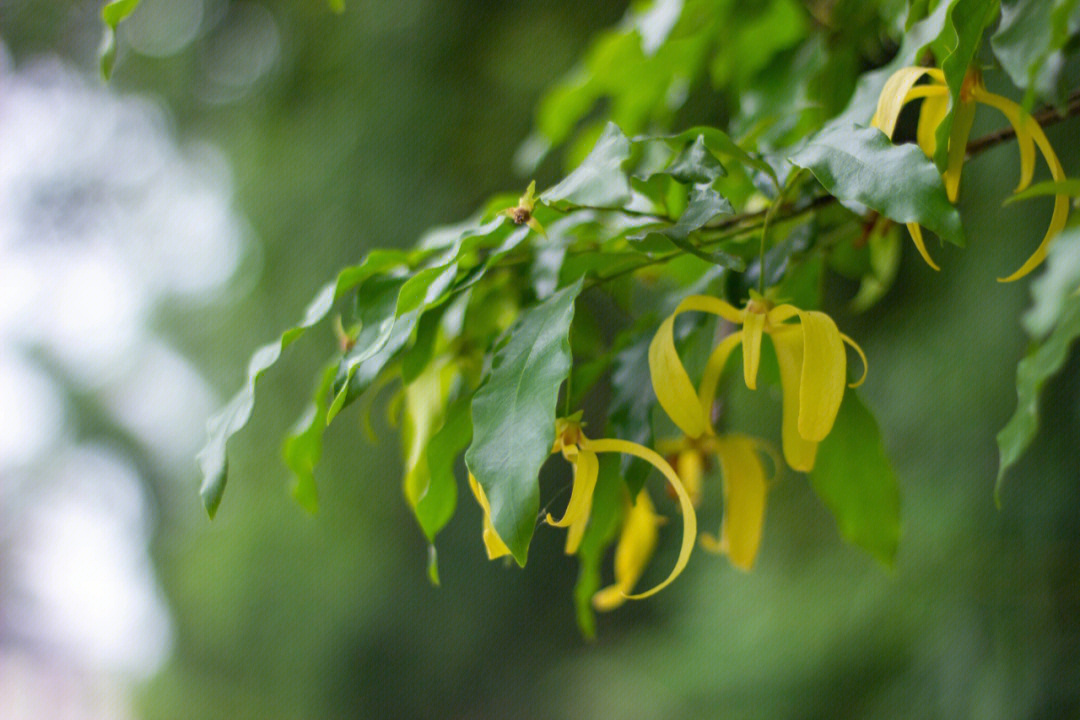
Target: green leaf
(1041, 364)
(852, 476)
(1029, 42)
(303, 445)
(603, 524)
(1070, 187)
(1052, 289)
(513, 416)
(234, 416)
(899, 181)
(967, 21)
(696, 164)
(632, 401)
(717, 142)
(599, 181)
(885, 254)
(113, 13)
(703, 205)
(436, 506)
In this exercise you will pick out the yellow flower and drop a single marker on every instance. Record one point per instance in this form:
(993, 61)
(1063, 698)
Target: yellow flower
(581, 452)
(522, 213)
(901, 89)
(745, 487)
(810, 353)
(496, 548)
(637, 541)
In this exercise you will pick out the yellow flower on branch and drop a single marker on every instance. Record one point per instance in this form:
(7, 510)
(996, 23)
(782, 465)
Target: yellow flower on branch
(745, 488)
(901, 88)
(637, 541)
(494, 545)
(810, 353)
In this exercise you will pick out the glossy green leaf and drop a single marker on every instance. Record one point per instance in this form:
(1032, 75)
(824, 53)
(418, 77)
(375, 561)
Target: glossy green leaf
(513, 416)
(302, 448)
(898, 181)
(963, 33)
(1070, 187)
(630, 409)
(854, 479)
(113, 13)
(703, 205)
(599, 181)
(234, 416)
(696, 164)
(1029, 41)
(1041, 364)
(719, 143)
(603, 524)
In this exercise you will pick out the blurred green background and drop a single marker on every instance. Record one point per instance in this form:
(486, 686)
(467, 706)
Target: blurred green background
(343, 133)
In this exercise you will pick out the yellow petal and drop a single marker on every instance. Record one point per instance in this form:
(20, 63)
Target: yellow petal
(745, 488)
(714, 368)
(496, 548)
(916, 237)
(535, 225)
(586, 469)
(963, 117)
(672, 385)
(933, 111)
(824, 374)
(753, 329)
(688, 516)
(788, 342)
(690, 467)
(635, 548)
(1026, 126)
(894, 95)
(862, 356)
(1020, 123)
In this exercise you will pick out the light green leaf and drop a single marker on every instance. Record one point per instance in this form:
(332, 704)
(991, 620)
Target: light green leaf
(884, 265)
(1029, 41)
(425, 415)
(599, 181)
(603, 524)
(852, 476)
(513, 416)
(1070, 187)
(898, 181)
(234, 416)
(113, 13)
(303, 446)
(1041, 364)
(436, 506)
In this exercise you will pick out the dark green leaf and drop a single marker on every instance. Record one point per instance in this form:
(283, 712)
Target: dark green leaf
(599, 181)
(696, 164)
(852, 476)
(513, 416)
(719, 143)
(303, 446)
(1070, 187)
(1041, 364)
(631, 406)
(603, 523)
(113, 13)
(898, 181)
(1029, 41)
(703, 205)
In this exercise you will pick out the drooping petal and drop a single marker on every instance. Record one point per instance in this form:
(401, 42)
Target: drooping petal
(745, 488)
(714, 368)
(635, 548)
(862, 356)
(894, 95)
(753, 329)
(963, 117)
(690, 468)
(933, 111)
(1020, 123)
(576, 517)
(824, 375)
(788, 342)
(689, 518)
(917, 238)
(496, 548)
(1026, 126)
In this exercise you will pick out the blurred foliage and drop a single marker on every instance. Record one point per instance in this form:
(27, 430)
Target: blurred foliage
(371, 125)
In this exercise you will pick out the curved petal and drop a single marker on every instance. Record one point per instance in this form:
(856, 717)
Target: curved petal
(494, 545)
(862, 356)
(637, 541)
(782, 313)
(824, 375)
(672, 385)
(586, 469)
(691, 468)
(689, 517)
(1029, 127)
(963, 117)
(894, 95)
(753, 329)
(788, 342)
(933, 111)
(745, 488)
(1019, 121)
(916, 237)
(714, 368)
